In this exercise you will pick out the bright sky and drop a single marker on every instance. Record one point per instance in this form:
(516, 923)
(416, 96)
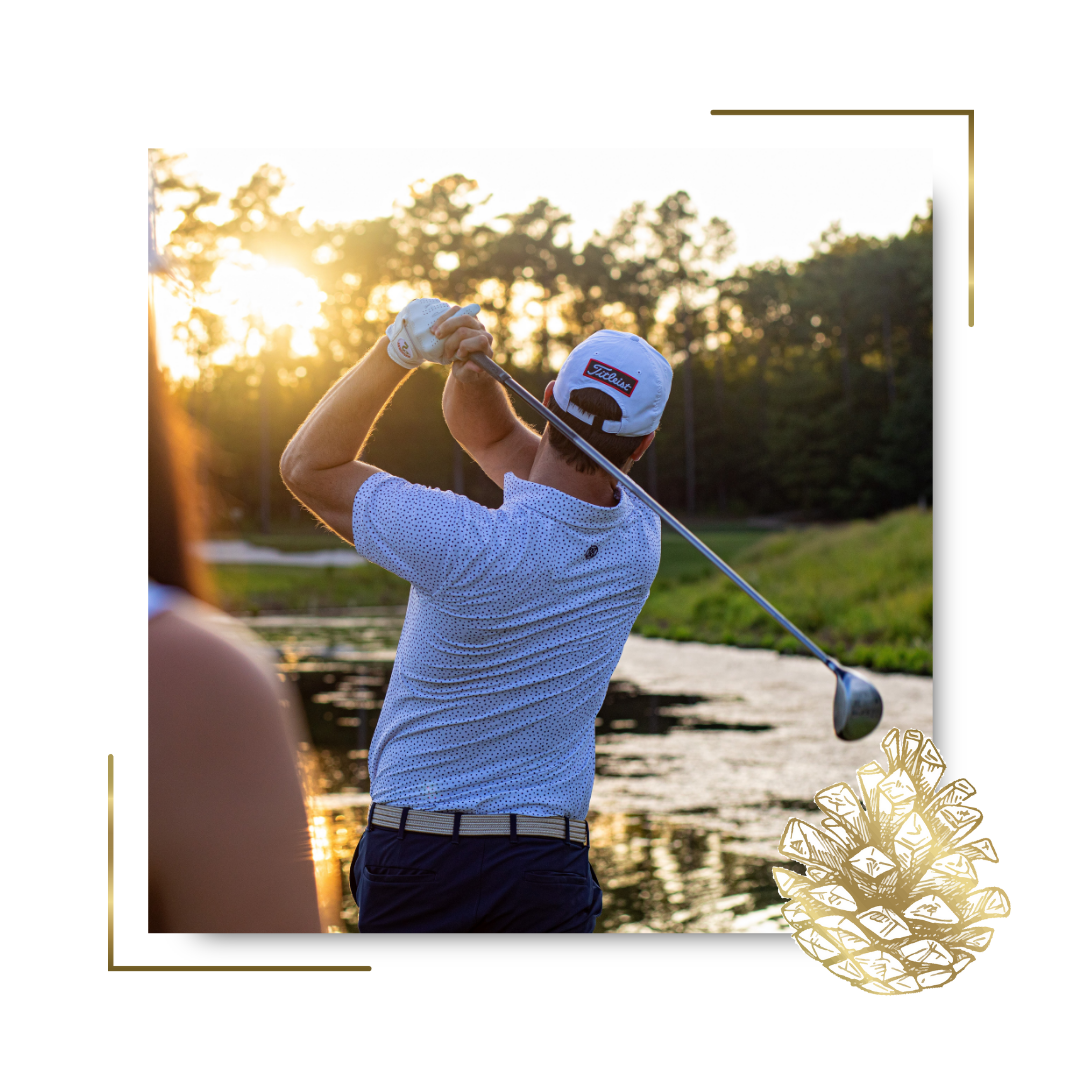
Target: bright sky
(776, 201)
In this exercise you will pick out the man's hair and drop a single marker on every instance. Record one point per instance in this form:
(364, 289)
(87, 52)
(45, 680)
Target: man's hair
(616, 448)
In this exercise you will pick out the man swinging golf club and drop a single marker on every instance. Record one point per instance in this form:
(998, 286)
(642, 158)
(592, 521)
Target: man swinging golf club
(483, 759)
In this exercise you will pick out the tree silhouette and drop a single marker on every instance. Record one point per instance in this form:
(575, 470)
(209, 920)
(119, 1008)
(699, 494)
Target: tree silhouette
(803, 388)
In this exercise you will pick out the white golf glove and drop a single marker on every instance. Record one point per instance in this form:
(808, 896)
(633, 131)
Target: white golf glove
(411, 341)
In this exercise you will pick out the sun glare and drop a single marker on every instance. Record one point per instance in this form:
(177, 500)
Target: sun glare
(265, 297)
(255, 298)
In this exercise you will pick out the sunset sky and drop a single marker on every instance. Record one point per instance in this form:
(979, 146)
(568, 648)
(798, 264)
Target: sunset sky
(776, 201)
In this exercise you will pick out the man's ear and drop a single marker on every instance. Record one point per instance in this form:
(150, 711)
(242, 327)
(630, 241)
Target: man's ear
(643, 446)
(549, 392)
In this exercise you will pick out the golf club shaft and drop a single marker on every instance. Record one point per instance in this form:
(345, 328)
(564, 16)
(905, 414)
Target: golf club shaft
(510, 383)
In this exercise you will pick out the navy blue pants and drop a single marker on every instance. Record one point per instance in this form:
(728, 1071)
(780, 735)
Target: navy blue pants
(414, 883)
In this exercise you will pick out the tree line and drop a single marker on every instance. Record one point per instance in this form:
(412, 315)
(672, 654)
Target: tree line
(800, 389)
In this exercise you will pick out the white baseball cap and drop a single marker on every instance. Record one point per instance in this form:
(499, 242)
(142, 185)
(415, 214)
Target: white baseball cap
(625, 367)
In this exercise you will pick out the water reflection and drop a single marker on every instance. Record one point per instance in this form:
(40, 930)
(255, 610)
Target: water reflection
(628, 708)
(661, 873)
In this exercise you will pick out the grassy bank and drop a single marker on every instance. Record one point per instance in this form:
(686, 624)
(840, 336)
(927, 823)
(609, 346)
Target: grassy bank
(250, 589)
(682, 564)
(298, 541)
(863, 591)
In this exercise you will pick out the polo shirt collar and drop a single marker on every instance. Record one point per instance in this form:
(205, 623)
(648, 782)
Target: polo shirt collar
(557, 504)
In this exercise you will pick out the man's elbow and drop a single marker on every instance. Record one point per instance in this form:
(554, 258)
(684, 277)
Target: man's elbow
(293, 471)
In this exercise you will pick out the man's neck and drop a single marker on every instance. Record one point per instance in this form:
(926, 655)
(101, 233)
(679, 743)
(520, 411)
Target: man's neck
(551, 470)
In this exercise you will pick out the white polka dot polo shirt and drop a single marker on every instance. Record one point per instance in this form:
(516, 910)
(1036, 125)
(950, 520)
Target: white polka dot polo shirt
(516, 620)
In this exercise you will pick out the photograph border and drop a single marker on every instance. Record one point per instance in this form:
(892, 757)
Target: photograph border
(970, 114)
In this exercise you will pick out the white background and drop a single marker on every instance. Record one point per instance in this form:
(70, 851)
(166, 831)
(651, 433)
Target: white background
(90, 87)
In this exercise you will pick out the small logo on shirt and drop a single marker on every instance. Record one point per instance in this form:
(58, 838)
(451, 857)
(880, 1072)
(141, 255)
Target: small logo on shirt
(611, 376)
(591, 553)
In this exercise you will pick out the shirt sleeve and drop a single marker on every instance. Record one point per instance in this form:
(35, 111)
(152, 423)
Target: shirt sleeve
(424, 535)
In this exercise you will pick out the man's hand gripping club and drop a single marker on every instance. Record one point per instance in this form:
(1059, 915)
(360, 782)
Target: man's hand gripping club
(433, 330)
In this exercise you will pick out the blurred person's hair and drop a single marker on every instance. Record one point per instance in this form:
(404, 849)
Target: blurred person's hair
(174, 518)
(616, 448)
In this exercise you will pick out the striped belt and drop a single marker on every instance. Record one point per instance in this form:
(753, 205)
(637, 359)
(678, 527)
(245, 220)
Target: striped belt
(405, 819)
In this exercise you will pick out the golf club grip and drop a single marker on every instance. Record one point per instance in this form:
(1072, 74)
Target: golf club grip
(497, 373)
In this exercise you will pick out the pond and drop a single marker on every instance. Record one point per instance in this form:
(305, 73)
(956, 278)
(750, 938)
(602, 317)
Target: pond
(661, 872)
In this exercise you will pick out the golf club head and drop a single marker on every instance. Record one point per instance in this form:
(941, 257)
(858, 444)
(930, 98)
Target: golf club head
(857, 707)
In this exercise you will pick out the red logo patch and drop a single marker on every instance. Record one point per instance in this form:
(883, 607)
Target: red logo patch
(610, 376)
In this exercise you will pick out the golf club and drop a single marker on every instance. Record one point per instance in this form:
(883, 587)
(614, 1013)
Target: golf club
(857, 706)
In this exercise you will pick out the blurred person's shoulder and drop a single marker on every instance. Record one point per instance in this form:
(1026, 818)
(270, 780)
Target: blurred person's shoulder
(203, 653)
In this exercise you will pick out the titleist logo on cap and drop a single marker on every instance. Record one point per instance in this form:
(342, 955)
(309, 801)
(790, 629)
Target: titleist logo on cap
(612, 376)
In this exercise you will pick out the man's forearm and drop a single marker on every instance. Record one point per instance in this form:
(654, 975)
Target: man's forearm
(337, 428)
(478, 412)
(319, 465)
(479, 415)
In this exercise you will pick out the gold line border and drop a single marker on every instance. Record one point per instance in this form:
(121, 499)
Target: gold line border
(193, 967)
(969, 113)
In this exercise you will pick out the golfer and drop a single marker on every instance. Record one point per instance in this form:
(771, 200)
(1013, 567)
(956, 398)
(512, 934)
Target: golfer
(483, 759)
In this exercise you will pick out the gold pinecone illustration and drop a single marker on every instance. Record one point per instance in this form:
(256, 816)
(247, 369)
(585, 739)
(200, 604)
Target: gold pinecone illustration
(890, 900)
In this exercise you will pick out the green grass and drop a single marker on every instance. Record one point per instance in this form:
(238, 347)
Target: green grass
(682, 564)
(251, 589)
(321, 541)
(307, 538)
(863, 591)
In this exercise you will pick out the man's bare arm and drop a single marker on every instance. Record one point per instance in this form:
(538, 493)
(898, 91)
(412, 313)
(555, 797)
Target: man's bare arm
(319, 465)
(481, 418)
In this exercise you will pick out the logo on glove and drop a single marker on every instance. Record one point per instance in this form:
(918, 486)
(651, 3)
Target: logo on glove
(402, 344)
(611, 376)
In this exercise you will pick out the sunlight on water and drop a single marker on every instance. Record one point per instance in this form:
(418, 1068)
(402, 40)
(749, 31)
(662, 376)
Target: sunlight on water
(661, 873)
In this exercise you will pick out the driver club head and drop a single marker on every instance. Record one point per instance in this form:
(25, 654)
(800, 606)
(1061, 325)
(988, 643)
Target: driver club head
(857, 707)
